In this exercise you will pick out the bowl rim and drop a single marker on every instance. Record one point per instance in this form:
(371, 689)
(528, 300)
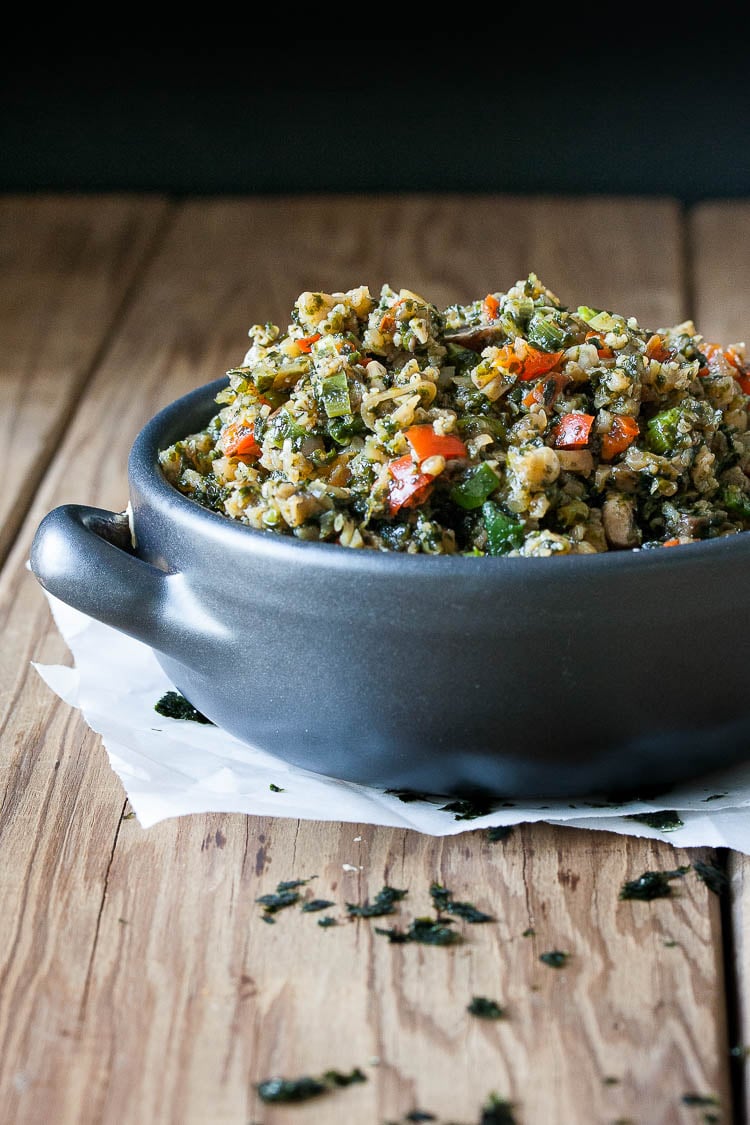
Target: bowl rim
(145, 473)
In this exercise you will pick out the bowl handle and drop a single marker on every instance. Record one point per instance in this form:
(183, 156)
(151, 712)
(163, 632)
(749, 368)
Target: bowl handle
(84, 556)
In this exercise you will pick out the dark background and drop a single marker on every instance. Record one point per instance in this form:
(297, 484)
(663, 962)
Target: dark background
(563, 109)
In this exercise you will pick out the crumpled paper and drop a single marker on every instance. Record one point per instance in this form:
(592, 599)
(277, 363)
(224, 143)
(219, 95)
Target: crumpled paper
(171, 767)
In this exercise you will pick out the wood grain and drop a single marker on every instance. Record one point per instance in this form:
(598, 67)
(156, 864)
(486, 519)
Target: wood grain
(66, 269)
(720, 252)
(138, 982)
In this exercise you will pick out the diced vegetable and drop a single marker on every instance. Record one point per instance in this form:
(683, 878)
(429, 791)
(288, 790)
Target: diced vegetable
(548, 390)
(573, 431)
(671, 543)
(623, 433)
(656, 350)
(732, 358)
(476, 487)
(305, 343)
(334, 391)
(503, 533)
(408, 487)
(490, 307)
(736, 502)
(546, 333)
(599, 321)
(426, 443)
(662, 430)
(601, 348)
(527, 362)
(238, 440)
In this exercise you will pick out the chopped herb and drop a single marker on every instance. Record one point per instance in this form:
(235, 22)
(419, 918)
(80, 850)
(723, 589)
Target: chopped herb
(497, 1111)
(426, 931)
(316, 904)
(327, 921)
(128, 815)
(556, 959)
(499, 832)
(670, 943)
(485, 1009)
(610, 1080)
(666, 821)
(175, 706)
(444, 903)
(530, 932)
(275, 788)
(383, 903)
(652, 884)
(714, 878)
(467, 808)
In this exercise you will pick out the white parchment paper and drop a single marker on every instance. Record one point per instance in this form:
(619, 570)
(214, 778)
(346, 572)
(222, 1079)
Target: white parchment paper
(170, 767)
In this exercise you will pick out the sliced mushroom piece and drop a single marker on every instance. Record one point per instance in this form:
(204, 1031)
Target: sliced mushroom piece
(476, 339)
(618, 519)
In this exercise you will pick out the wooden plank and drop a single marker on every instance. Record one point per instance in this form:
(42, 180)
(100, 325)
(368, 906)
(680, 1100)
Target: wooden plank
(720, 255)
(66, 266)
(157, 993)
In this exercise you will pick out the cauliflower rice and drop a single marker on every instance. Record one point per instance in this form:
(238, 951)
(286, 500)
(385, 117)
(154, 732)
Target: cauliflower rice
(509, 426)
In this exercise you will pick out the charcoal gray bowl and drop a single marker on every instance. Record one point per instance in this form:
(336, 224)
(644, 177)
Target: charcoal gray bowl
(613, 673)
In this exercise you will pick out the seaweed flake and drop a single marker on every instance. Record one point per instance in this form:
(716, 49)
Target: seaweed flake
(652, 884)
(714, 878)
(417, 1115)
(286, 895)
(530, 932)
(497, 1111)
(499, 832)
(485, 1009)
(666, 821)
(426, 931)
(276, 788)
(316, 904)
(324, 923)
(445, 904)
(383, 903)
(699, 1099)
(555, 958)
(173, 705)
(408, 795)
(467, 808)
(276, 1090)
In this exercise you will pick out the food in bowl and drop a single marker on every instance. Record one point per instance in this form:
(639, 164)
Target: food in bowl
(508, 426)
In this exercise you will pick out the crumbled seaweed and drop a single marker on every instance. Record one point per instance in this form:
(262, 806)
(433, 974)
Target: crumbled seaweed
(275, 788)
(383, 903)
(286, 895)
(336, 1078)
(316, 904)
(652, 884)
(610, 1080)
(699, 1099)
(670, 943)
(499, 832)
(290, 1089)
(467, 808)
(327, 921)
(714, 878)
(417, 1115)
(530, 932)
(408, 795)
(497, 1111)
(302, 1089)
(426, 931)
(715, 797)
(485, 1009)
(555, 958)
(174, 706)
(666, 821)
(445, 904)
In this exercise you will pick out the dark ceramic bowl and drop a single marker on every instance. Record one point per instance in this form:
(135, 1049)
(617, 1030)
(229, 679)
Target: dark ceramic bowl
(605, 673)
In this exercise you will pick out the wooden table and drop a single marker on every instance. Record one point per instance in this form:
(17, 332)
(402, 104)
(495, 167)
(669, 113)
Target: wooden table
(138, 983)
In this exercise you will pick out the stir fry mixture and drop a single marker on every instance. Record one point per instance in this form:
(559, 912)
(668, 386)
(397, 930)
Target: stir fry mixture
(508, 426)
